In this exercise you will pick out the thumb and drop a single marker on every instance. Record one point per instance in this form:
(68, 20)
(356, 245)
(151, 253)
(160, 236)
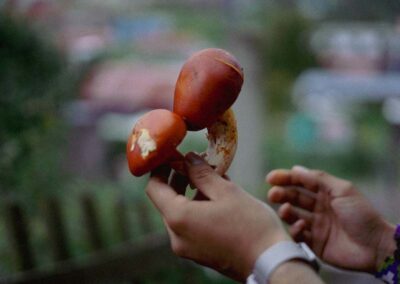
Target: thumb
(203, 177)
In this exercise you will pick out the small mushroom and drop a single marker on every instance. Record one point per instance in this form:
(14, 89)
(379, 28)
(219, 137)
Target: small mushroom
(154, 140)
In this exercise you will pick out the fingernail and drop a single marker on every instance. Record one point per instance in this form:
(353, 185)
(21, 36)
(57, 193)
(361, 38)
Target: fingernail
(192, 159)
(300, 169)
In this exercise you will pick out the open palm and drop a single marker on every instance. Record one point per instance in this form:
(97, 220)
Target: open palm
(331, 216)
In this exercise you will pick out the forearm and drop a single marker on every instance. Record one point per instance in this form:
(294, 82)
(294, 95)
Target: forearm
(295, 271)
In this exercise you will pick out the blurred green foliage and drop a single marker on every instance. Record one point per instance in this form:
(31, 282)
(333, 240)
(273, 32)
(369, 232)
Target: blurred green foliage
(32, 86)
(284, 53)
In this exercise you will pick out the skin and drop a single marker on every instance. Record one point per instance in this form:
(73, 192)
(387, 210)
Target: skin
(294, 272)
(223, 227)
(332, 217)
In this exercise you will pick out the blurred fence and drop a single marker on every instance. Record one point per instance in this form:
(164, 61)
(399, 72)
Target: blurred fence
(129, 261)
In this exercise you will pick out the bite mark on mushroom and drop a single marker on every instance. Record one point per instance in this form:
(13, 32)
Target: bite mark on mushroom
(133, 139)
(146, 143)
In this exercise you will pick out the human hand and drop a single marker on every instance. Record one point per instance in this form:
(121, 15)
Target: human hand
(227, 231)
(332, 217)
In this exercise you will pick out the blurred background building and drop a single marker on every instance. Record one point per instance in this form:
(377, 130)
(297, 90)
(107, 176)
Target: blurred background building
(321, 89)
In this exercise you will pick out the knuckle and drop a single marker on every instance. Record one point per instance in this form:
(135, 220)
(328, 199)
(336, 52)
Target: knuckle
(347, 186)
(228, 188)
(319, 173)
(148, 190)
(229, 185)
(178, 248)
(178, 218)
(177, 221)
(202, 173)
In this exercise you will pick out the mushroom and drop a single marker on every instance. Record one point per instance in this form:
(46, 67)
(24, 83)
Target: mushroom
(207, 86)
(154, 140)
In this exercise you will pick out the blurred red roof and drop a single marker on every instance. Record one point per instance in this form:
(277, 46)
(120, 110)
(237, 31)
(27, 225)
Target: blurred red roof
(132, 86)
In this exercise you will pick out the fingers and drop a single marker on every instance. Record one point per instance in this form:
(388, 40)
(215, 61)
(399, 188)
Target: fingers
(179, 183)
(295, 195)
(203, 177)
(226, 177)
(161, 173)
(296, 176)
(300, 222)
(312, 180)
(199, 196)
(299, 232)
(316, 180)
(291, 214)
(296, 210)
(279, 177)
(161, 194)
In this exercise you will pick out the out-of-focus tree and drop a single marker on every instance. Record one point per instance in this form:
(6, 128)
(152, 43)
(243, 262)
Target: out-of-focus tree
(30, 96)
(285, 53)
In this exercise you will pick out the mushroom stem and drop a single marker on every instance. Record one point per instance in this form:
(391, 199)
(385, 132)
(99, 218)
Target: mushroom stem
(222, 136)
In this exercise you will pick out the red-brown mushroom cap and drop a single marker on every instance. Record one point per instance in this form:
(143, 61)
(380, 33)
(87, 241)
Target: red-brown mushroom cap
(208, 85)
(154, 140)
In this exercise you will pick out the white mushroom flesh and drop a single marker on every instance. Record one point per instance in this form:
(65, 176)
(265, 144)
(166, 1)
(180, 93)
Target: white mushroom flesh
(222, 142)
(146, 143)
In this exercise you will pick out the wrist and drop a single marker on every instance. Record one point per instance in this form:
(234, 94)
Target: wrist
(266, 243)
(280, 257)
(292, 271)
(386, 245)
